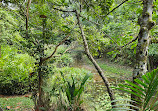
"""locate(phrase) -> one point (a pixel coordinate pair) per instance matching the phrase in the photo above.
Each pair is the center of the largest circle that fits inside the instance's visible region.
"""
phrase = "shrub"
(68, 86)
(14, 71)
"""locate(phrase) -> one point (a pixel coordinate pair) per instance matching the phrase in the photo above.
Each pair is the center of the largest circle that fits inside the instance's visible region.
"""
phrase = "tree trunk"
(0, 51)
(41, 71)
(146, 23)
(105, 80)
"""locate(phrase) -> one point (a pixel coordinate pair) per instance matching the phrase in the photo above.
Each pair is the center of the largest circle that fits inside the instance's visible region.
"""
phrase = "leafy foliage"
(68, 87)
(14, 71)
(8, 25)
(146, 89)
(73, 93)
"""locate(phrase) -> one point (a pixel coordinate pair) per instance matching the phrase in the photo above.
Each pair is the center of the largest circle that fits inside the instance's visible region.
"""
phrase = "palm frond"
(146, 89)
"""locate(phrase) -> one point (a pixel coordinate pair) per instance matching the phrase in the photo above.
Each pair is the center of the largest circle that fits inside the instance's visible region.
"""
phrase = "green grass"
(115, 69)
(112, 69)
(16, 104)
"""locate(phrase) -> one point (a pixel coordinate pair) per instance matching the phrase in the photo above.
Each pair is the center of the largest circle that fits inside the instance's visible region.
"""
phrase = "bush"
(66, 82)
(14, 71)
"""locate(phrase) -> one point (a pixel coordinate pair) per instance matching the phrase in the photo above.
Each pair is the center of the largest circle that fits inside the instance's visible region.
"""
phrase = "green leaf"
(133, 89)
(129, 92)
(145, 79)
(141, 83)
(134, 85)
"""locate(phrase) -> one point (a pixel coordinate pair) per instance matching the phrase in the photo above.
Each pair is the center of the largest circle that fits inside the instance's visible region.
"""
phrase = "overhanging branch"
(115, 8)
(105, 80)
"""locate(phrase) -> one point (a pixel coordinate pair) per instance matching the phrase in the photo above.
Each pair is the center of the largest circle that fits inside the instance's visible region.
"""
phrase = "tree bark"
(146, 23)
(41, 72)
(105, 80)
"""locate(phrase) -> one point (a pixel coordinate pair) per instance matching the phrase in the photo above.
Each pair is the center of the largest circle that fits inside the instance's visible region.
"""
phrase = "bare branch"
(27, 14)
(115, 8)
(63, 10)
(110, 38)
(44, 59)
(72, 47)
(129, 42)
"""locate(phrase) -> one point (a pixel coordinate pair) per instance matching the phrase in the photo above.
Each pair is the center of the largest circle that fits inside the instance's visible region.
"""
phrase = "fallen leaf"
(17, 107)
(19, 103)
(9, 107)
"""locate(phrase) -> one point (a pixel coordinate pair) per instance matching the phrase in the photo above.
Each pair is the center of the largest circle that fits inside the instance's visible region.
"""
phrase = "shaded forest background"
(42, 43)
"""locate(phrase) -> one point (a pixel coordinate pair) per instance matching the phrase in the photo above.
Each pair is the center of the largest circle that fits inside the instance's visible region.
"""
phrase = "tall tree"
(146, 24)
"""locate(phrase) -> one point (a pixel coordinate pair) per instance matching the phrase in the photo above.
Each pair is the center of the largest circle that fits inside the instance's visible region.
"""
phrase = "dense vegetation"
(44, 43)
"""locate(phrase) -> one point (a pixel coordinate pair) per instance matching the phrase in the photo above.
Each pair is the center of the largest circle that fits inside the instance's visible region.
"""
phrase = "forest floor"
(114, 72)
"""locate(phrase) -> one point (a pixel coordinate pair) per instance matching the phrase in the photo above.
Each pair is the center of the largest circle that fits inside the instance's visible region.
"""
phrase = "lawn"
(22, 103)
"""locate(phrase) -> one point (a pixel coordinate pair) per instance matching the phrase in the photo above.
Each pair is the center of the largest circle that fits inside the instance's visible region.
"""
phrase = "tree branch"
(105, 80)
(111, 38)
(44, 59)
(129, 42)
(72, 47)
(115, 8)
(27, 14)
(63, 10)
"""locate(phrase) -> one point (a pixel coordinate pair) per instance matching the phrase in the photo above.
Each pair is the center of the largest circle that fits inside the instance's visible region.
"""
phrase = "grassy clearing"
(16, 104)
(111, 69)
(115, 70)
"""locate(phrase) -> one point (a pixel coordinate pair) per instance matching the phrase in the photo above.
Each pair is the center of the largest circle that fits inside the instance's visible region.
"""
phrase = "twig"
(129, 42)
(63, 10)
(44, 59)
(115, 8)
(68, 49)
(111, 38)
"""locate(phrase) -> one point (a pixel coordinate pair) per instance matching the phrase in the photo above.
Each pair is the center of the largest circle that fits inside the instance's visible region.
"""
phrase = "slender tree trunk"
(41, 71)
(27, 17)
(0, 51)
(105, 80)
(146, 23)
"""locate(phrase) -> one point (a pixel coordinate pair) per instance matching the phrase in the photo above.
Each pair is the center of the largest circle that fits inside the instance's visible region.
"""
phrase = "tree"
(146, 24)
(78, 15)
